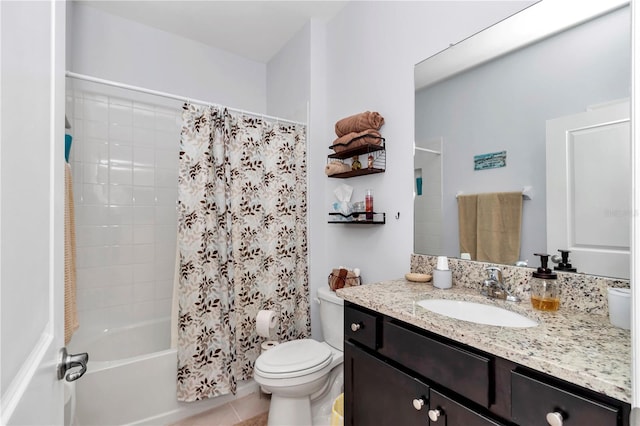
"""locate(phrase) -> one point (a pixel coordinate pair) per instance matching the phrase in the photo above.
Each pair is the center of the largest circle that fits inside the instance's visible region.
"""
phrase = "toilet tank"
(331, 317)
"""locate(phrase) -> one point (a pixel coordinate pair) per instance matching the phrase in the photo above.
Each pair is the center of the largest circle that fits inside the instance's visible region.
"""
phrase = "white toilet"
(305, 376)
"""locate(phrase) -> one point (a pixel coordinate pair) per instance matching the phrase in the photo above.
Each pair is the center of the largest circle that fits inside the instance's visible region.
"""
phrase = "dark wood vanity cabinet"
(447, 411)
(392, 396)
(398, 374)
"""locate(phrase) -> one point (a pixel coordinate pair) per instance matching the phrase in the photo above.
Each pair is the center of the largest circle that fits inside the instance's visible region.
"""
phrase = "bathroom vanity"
(406, 365)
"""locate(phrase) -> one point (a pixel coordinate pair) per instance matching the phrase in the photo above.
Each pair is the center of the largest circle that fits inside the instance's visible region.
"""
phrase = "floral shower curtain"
(242, 242)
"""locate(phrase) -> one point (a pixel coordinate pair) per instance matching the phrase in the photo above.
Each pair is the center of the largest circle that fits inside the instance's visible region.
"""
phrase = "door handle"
(69, 361)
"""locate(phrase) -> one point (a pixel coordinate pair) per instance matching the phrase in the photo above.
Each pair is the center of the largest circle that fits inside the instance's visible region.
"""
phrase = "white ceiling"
(256, 30)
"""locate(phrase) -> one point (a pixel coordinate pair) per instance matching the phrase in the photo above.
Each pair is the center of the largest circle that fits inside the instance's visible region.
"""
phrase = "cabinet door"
(448, 412)
(376, 393)
(532, 400)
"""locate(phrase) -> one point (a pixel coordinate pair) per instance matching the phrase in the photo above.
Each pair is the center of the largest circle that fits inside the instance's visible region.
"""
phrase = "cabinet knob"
(355, 326)
(434, 414)
(418, 403)
(554, 419)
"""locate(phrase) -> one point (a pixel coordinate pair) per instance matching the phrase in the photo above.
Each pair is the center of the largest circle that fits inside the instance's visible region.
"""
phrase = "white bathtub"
(131, 378)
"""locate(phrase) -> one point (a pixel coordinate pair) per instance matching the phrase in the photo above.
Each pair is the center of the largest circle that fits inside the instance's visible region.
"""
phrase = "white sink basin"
(477, 312)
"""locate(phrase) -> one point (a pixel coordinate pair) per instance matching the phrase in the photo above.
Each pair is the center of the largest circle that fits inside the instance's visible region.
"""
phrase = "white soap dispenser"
(442, 274)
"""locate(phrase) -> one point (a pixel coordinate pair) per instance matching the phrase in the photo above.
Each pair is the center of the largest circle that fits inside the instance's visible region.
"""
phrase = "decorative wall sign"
(492, 160)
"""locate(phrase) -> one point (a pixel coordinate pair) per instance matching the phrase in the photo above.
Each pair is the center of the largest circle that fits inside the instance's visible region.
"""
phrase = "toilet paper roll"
(265, 322)
(269, 344)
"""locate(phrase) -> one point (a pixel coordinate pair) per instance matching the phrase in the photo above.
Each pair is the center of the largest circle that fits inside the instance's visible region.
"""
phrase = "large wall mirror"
(547, 92)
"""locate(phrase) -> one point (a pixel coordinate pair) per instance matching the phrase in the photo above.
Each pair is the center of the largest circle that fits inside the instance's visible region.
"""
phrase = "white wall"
(288, 78)
(113, 48)
(372, 48)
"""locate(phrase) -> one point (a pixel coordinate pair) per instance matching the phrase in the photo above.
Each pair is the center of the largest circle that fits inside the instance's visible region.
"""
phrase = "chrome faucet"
(494, 287)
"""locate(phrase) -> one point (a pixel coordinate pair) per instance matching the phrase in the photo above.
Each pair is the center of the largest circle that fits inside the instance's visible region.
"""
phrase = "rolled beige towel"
(359, 122)
(336, 167)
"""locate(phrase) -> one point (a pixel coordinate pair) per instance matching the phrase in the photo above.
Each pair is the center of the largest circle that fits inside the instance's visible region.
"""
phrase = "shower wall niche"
(124, 161)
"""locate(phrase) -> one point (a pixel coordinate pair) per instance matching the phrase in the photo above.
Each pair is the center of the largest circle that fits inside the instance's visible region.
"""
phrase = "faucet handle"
(494, 272)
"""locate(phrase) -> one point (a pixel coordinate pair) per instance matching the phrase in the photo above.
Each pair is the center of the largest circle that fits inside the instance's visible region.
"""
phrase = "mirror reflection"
(550, 119)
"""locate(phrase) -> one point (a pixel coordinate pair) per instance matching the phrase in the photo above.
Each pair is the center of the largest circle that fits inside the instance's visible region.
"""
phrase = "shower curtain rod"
(172, 96)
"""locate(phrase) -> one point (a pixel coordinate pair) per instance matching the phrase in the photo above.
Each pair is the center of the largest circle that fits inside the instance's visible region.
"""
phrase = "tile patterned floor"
(230, 413)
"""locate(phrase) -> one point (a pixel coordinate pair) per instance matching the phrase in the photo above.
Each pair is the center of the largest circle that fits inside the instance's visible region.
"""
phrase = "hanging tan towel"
(70, 307)
(359, 122)
(499, 224)
(467, 224)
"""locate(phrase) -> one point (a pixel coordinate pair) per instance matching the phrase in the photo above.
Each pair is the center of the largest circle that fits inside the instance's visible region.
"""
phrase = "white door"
(31, 210)
(589, 189)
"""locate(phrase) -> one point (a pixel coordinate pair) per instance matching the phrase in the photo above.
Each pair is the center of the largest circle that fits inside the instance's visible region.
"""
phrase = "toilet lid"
(294, 358)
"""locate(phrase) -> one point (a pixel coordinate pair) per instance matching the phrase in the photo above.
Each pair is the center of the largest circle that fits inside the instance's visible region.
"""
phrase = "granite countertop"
(584, 349)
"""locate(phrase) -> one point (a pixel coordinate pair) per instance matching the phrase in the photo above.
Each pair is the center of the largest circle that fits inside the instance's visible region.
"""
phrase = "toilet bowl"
(303, 375)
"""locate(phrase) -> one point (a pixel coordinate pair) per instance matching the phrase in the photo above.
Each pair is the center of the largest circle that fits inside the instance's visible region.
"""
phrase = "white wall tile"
(93, 277)
(166, 215)
(167, 159)
(95, 193)
(95, 173)
(96, 129)
(120, 215)
(93, 257)
(144, 156)
(143, 253)
(120, 274)
(123, 134)
(125, 160)
(167, 140)
(165, 122)
(144, 196)
(120, 155)
(94, 151)
(144, 272)
(144, 234)
(117, 295)
(143, 291)
(121, 255)
(143, 176)
(162, 307)
(92, 235)
(96, 215)
(164, 289)
(121, 101)
(96, 111)
(167, 178)
(121, 175)
(167, 196)
(121, 234)
(166, 234)
(120, 114)
(143, 137)
(144, 118)
(144, 215)
(120, 195)
(165, 253)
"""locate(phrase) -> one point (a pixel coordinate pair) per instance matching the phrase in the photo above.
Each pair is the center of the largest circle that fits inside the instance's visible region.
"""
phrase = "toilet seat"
(293, 359)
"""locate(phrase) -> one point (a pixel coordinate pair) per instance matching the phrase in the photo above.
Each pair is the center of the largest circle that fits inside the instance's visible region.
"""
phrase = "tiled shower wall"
(124, 161)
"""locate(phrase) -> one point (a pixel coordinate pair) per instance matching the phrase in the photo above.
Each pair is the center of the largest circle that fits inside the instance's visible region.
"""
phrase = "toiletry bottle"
(355, 163)
(368, 204)
(442, 273)
(545, 291)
